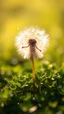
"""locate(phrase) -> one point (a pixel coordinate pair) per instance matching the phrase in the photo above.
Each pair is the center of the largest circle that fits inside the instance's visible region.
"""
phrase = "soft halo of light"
(42, 42)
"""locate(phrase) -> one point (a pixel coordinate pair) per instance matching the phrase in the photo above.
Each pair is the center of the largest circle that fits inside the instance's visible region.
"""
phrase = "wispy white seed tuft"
(32, 41)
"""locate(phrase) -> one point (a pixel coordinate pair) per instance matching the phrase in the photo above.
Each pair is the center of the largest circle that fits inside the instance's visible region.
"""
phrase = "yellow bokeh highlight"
(15, 15)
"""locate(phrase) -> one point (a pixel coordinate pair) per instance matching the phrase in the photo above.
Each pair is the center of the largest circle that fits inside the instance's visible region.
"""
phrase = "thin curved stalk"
(33, 69)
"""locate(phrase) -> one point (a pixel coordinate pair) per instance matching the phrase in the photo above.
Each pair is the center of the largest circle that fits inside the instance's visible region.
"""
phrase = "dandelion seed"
(32, 42)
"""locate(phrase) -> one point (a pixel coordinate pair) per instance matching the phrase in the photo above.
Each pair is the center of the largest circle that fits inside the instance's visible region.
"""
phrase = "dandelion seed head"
(32, 41)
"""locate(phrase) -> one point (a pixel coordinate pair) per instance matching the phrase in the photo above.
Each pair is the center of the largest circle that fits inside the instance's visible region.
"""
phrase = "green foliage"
(19, 95)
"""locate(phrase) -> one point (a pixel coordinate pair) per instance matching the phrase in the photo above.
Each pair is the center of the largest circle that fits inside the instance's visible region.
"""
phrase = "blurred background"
(16, 15)
(15, 81)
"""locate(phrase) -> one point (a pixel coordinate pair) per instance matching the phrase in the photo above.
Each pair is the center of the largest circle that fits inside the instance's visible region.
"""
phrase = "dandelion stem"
(33, 71)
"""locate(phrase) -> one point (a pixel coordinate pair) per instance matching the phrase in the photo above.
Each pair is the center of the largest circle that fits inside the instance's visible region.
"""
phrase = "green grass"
(19, 95)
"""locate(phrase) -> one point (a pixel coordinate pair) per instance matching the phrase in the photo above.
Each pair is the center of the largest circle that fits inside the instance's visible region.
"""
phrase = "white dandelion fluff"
(32, 42)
